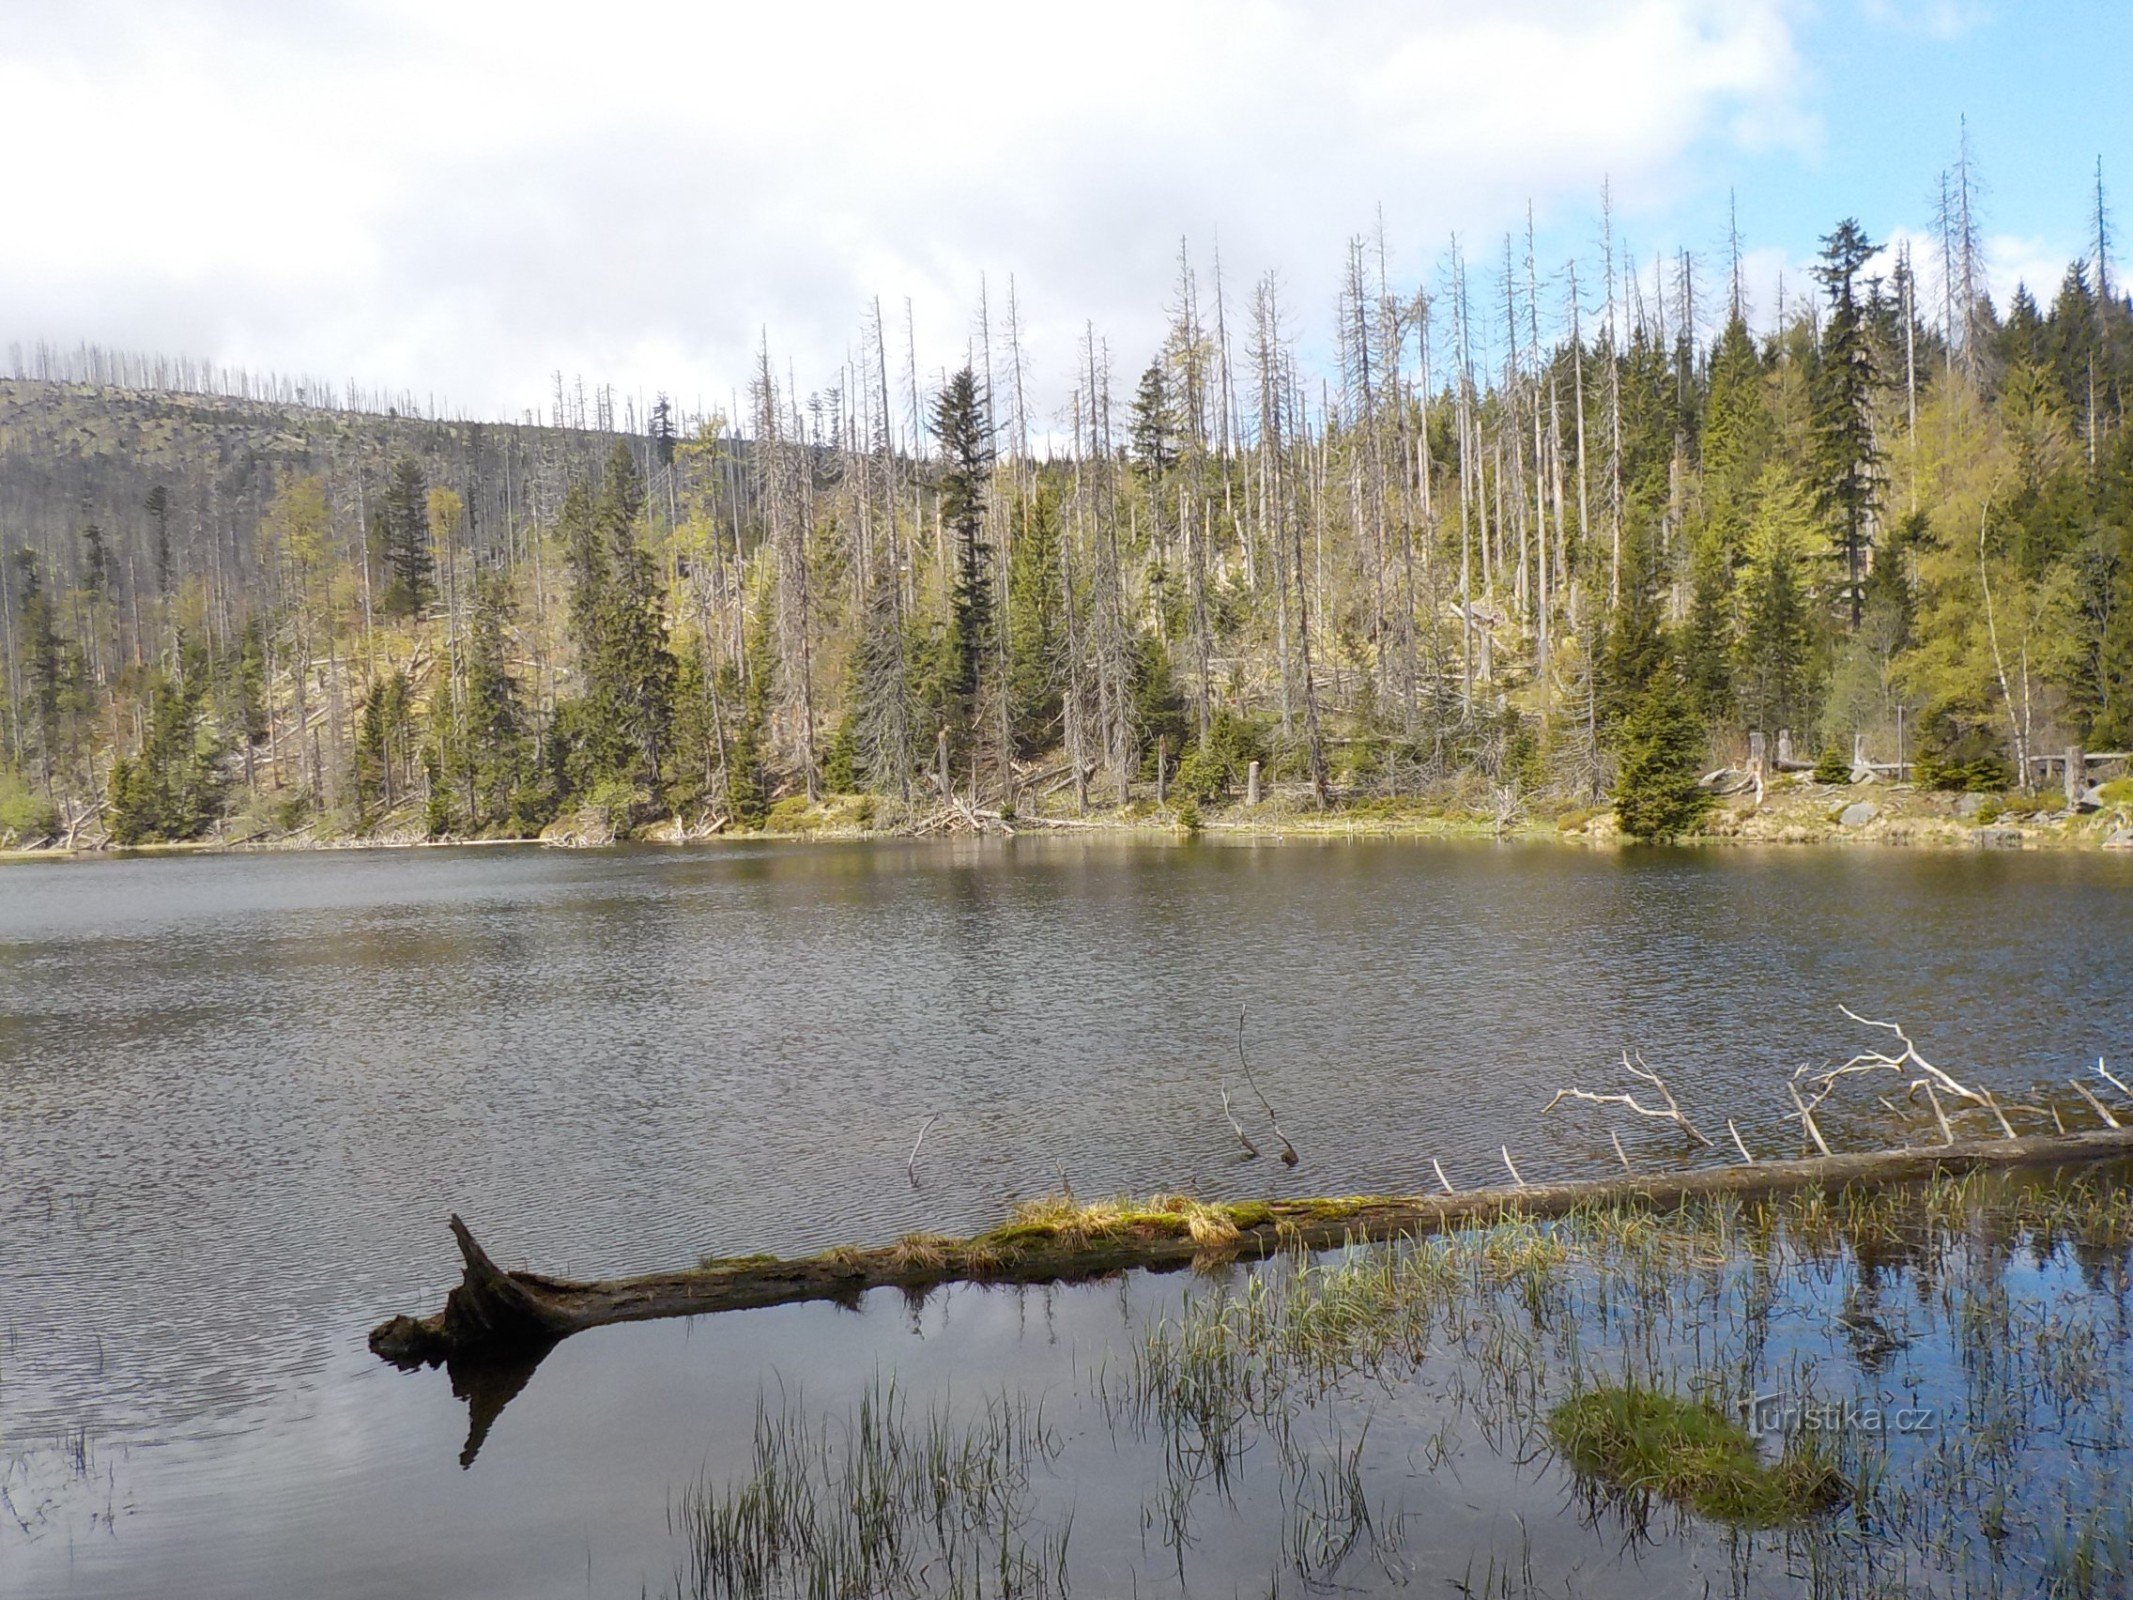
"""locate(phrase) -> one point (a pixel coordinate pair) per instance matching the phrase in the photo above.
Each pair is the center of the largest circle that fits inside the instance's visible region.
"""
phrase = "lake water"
(239, 1095)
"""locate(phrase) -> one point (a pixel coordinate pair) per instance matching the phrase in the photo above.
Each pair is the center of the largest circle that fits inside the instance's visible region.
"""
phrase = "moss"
(1342, 1207)
(1250, 1213)
(717, 1263)
(1638, 1441)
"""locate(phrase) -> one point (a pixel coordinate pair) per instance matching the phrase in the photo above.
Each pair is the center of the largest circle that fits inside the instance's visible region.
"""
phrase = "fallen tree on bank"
(501, 1315)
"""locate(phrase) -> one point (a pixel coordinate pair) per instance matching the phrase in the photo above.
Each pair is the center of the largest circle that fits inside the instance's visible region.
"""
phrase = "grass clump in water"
(1063, 1220)
(1639, 1441)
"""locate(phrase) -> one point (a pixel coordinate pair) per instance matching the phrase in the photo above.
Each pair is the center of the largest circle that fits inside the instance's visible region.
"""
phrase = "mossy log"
(493, 1313)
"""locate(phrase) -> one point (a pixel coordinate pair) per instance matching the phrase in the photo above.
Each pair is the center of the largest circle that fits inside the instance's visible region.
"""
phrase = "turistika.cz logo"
(1777, 1413)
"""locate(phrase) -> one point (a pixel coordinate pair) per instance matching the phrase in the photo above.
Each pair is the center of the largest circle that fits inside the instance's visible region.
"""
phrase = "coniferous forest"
(1527, 534)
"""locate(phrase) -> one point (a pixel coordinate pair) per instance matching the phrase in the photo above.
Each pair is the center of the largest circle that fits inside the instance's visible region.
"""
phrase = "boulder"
(1860, 814)
(2119, 839)
(1969, 805)
(1997, 838)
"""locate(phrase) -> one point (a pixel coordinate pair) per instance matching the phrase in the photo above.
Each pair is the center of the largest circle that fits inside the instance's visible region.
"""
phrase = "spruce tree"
(1155, 423)
(747, 777)
(1843, 389)
(1773, 679)
(400, 541)
(1034, 634)
(170, 790)
(478, 758)
(380, 763)
(966, 463)
(1662, 754)
(619, 621)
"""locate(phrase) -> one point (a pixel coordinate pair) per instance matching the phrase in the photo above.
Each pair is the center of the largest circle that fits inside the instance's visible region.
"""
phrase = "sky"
(462, 199)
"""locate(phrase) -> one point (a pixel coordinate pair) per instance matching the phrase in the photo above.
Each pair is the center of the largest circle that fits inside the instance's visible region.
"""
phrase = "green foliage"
(959, 426)
(25, 815)
(169, 790)
(1220, 762)
(1662, 754)
(747, 780)
(619, 619)
(1640, 1442)
(400, 542)
(479, 759)
(1159, 715)
(1188, 815)
(1833, 766)
(1155, 423)
(384, 745)
(840, 767)
(1846, 454)
(1966, 765)
(616, 802)
(1036, 639)
(1773, 680)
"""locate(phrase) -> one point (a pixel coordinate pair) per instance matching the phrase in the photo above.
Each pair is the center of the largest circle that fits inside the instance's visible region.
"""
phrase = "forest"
(1523, 535)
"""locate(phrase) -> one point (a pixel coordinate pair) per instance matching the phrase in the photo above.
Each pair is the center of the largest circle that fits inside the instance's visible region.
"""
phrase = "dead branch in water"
(1251, 1151)
(2095, 1104)
(1289, 1157)
(1877, 1061)
(493, 1314)
(2102, 1073)
(911, 1166)
(1670, 1112)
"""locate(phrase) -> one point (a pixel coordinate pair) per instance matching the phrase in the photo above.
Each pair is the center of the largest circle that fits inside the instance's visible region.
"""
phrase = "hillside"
(1596, 570)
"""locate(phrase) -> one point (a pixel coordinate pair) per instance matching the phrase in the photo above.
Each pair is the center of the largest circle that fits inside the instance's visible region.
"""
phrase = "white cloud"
(462, 198)
(1938, 19)
(2013, 259)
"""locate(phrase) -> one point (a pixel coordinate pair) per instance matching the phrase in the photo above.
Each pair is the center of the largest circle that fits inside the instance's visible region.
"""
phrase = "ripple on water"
(238, 1096)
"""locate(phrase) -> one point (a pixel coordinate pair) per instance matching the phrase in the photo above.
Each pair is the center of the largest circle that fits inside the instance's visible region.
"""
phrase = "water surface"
(238, 1096)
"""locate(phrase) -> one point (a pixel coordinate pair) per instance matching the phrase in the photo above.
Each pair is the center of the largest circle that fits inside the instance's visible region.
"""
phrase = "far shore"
(1793, 813)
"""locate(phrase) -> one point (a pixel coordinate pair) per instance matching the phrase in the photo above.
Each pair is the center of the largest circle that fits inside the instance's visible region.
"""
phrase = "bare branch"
(1515, 1178)
(1742, 1148)
(1807, 1119)
(2095, 1104)
(1947, 1134)
(1875, 1059)
(1288, 1150)
(1441, 1178)
(911, 1166)
(1670, 1112)
(2109, 1079)
(1250, 1150)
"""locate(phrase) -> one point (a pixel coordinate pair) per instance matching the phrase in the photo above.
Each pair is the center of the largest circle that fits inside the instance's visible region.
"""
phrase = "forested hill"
(178, 484)
(1587, 539)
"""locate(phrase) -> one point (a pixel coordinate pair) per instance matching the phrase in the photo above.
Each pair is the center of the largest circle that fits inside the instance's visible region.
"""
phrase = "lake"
(239, 1096)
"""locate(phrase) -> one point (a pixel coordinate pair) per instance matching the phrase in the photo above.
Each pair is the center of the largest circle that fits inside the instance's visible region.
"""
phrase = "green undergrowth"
(1637, 1441)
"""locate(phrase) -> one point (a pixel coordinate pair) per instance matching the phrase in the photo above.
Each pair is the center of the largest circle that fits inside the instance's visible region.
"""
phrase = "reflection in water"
(238, 1097)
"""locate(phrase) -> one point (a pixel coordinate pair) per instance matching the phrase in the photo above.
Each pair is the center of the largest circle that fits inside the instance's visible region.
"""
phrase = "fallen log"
(494, 1314)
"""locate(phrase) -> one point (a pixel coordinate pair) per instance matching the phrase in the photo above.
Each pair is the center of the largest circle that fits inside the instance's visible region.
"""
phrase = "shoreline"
(1795, 814)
